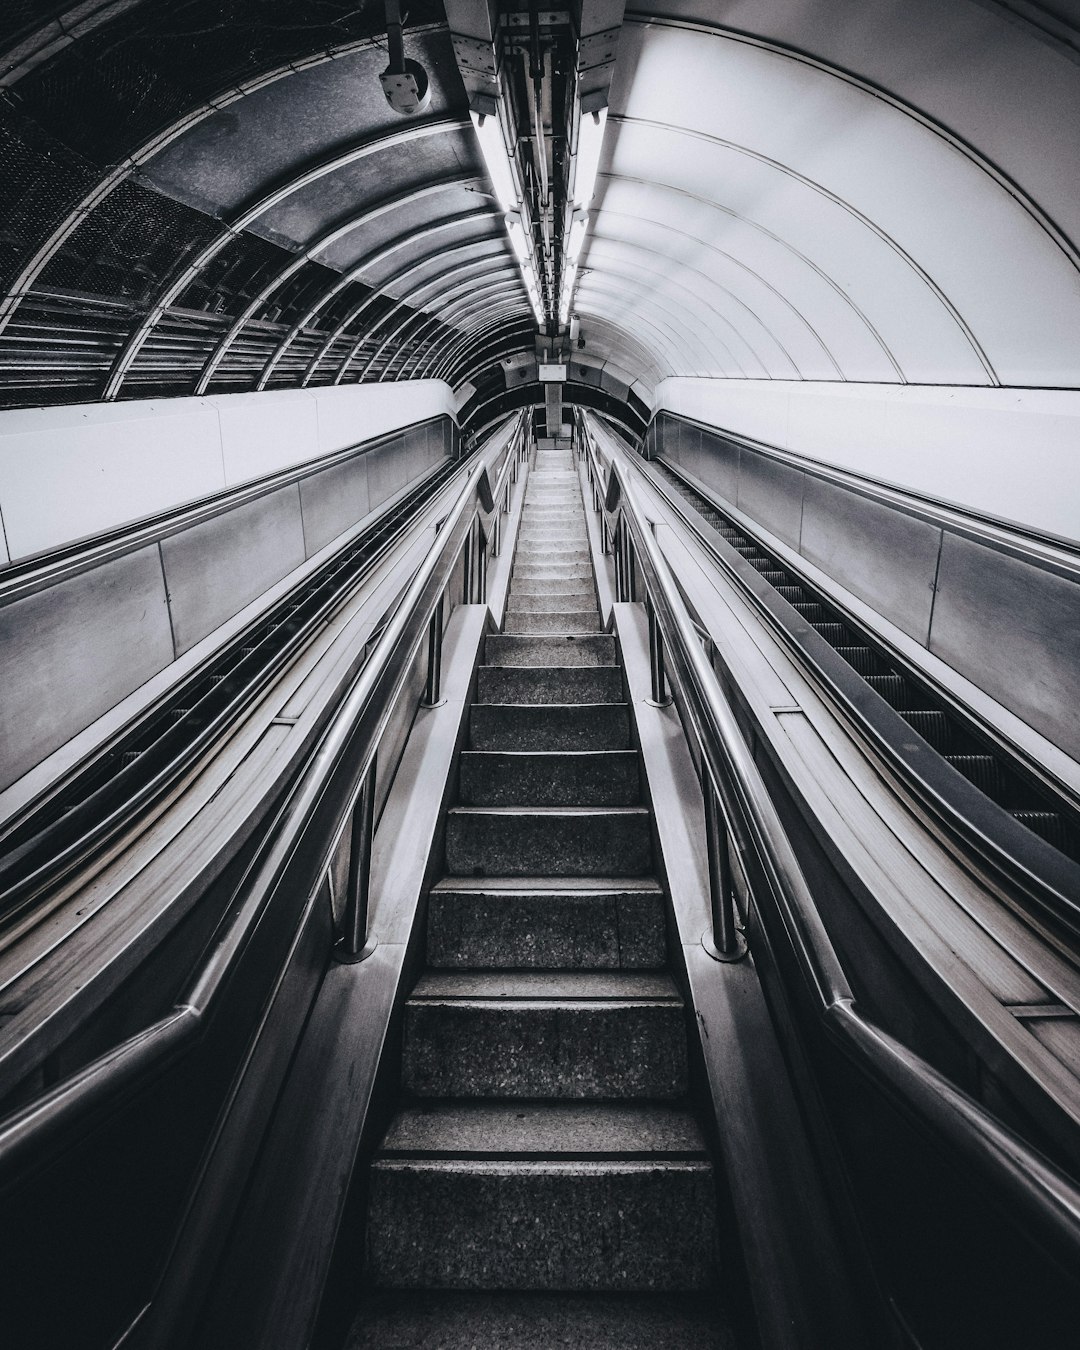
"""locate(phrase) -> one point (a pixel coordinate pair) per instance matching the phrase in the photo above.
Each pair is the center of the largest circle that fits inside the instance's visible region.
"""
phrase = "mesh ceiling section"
(235, 276)
(67, 122)
(41, 179)
(21, 18)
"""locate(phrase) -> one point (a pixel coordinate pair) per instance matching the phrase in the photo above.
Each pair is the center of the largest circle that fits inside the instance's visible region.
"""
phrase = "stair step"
(539, 529)
(551, 587)
(982, 770)
(549, 925)
(548, 841)
(547, 650)
(596, 1224)
(529, 602)
(552, 1130)
(545, 551)
(463, 1320)
(1050, 825)
(551, 571)
(549, 684)
(561, 1034)
(931, 725)
(568, 511)
(556, 621)
(549, 778)
(549, 726)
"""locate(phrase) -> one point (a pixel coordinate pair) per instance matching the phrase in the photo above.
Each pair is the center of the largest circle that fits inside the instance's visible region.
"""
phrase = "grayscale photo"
(539, 675)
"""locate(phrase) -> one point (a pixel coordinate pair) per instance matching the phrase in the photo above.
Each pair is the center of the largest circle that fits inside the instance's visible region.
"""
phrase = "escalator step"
(836, 634)
(1048, 824)
(776, 578)
(862, 659)
(932, 726)
(810, 610)
(894, 689)
(795, 595)
(759, 561)
(982, 770)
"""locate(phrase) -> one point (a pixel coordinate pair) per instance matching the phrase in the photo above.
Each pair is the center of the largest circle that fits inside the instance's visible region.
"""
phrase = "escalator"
(913, 706)
(64, 827)
(522, 1025)
(545, 1179)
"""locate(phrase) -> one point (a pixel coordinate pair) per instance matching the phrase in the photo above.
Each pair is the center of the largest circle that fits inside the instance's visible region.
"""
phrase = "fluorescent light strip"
(578, 227)
(499, 166)
(569, 277)
(590, 142)
(496, 158)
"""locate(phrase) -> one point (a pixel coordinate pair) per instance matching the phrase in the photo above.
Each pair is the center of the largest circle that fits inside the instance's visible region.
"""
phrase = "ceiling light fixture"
(590, 143)
(496, 158)
(578, 226)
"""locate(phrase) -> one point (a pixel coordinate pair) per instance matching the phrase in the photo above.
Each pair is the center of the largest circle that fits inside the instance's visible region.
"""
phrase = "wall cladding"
(1010, 625)
(72, 651)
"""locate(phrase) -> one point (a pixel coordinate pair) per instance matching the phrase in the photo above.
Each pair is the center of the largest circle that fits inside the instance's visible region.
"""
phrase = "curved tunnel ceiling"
(207, 198)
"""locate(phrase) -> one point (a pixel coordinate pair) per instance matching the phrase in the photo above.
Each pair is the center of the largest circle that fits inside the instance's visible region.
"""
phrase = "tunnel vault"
(201, 198)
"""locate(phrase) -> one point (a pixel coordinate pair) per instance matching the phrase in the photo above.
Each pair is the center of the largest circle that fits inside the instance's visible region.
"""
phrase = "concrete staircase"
(544, 1142)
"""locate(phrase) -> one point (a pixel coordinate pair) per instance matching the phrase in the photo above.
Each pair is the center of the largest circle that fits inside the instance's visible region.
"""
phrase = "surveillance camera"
(407, 91)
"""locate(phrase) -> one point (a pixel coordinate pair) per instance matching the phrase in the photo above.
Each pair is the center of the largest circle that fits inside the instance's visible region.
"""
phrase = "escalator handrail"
(1046, 1197)
(295, 853)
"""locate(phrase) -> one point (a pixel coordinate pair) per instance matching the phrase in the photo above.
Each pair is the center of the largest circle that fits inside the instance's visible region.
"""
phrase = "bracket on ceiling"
(404, 81)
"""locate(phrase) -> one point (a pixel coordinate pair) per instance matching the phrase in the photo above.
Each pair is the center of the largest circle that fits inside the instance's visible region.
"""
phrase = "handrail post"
(728, 943)
(469, 582)
(433, 684)
(629, 590)
(354, 945)
(661, 696)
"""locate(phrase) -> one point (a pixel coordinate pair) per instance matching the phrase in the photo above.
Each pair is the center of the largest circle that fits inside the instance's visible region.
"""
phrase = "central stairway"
(545, 1182)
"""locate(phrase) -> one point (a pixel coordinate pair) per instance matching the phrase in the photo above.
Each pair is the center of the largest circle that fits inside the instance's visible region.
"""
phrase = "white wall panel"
(1018, 100)
(70, 472)
(260, 435)
(1010, 453)
(67, 473)
(879, 238)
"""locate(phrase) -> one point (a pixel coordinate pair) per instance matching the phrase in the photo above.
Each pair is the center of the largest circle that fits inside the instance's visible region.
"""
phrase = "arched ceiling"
(213, 195)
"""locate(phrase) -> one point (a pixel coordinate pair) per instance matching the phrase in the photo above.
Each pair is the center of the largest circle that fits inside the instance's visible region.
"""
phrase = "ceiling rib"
(246, 218)
(356, 274)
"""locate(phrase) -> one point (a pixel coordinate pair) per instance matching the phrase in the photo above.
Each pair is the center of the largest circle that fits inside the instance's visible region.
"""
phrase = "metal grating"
(232, 279)
(129, 245)
(41, 181)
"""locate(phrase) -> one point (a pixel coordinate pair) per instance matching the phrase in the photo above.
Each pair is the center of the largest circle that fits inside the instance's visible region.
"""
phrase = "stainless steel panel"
(613, 386)
(772, 493)
(215, 568)
(415, 448)
(387, 471)
(666, 438)
(887, 558)
(1014, 630)
(716, 462)
(333, 501)
(70, 653)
